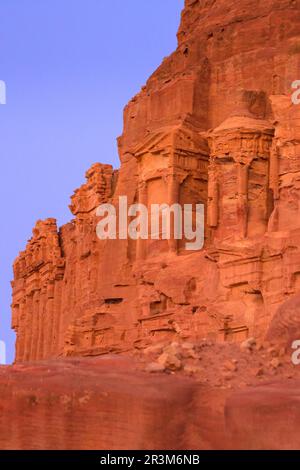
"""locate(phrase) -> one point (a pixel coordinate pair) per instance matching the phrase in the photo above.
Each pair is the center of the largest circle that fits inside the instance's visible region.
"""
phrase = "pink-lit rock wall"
(214, 124)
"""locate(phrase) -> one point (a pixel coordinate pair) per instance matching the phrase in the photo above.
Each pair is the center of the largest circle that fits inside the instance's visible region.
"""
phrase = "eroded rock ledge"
(112, 403)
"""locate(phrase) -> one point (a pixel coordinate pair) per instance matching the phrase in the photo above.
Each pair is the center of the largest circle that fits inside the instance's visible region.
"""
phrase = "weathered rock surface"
(266, 417)
(111, 403)
(99, 404)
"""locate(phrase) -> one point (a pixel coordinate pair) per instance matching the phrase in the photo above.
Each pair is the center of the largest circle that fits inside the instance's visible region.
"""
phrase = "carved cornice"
(172, 139)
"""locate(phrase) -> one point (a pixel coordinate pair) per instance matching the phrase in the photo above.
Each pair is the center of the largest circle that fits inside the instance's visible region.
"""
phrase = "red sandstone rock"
(110, 403)
(285, 326)
(264, 418)
(92, 404)
(214, 124)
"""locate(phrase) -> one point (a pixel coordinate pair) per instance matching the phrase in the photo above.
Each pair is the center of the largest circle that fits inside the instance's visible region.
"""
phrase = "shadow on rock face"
(285, 326)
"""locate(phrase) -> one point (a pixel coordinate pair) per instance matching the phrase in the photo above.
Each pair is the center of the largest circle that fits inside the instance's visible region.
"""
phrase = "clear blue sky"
(70, 66)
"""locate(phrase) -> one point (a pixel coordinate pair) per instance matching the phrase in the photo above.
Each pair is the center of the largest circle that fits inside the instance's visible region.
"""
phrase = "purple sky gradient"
(70, 66)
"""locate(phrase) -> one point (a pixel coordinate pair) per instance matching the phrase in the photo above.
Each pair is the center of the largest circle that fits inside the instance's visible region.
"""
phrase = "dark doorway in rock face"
(113, 301)
(159, 306)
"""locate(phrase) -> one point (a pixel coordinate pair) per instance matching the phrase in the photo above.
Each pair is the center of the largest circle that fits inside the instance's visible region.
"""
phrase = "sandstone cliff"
(214, 124)
(207, 334)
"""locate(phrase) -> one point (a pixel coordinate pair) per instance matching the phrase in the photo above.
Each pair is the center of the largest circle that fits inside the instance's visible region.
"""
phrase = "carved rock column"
(213, 195)
(141, 249)
(173, 198)
(239, 173)
(243, 208)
